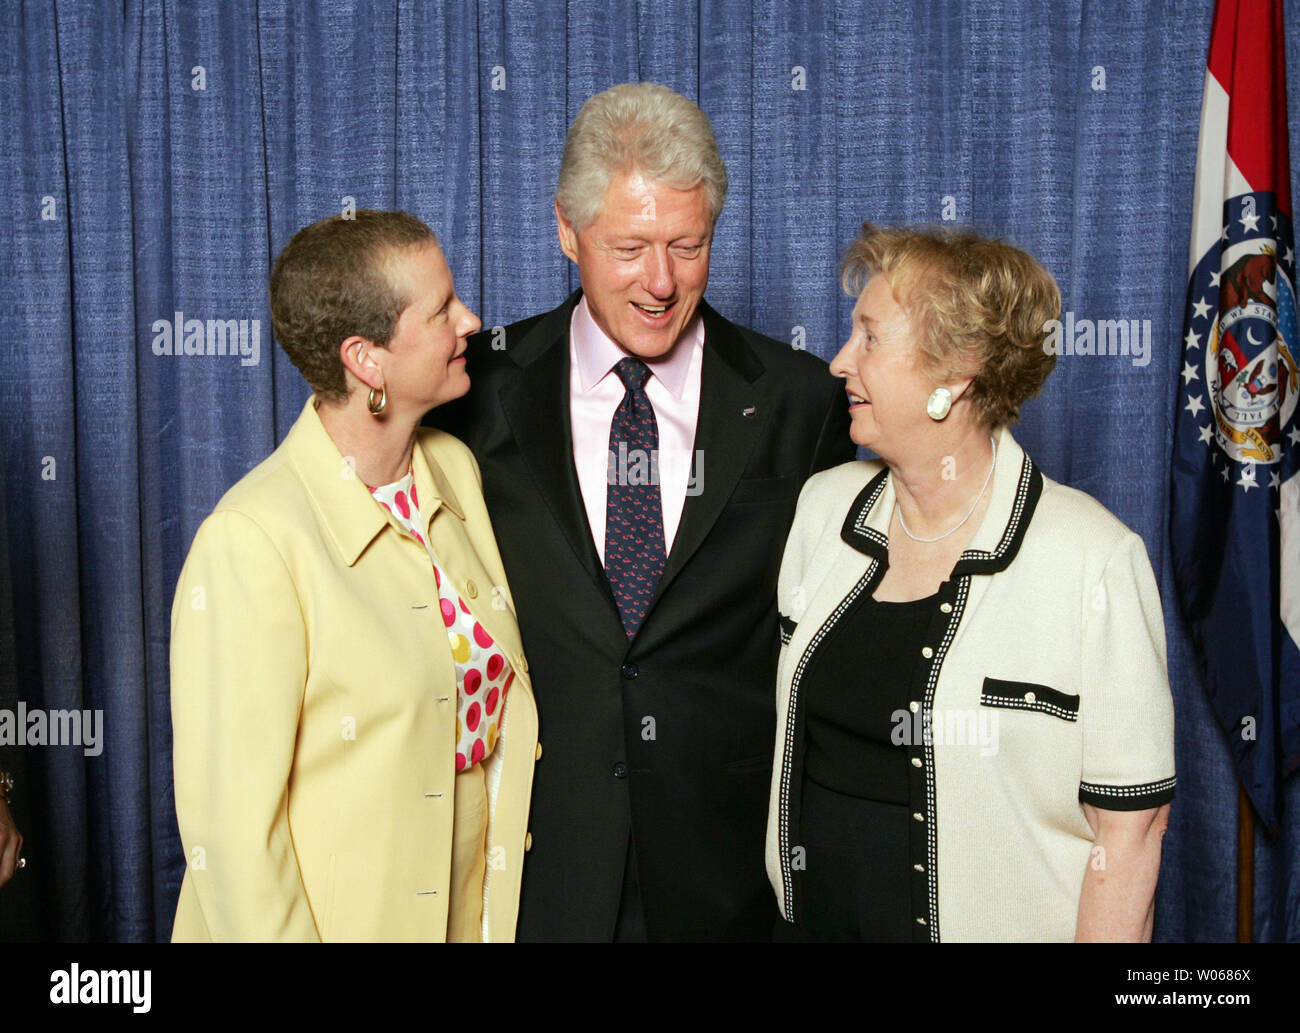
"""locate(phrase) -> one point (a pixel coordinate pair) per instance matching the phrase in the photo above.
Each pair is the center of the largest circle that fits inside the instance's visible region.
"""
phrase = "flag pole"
(1245, 867)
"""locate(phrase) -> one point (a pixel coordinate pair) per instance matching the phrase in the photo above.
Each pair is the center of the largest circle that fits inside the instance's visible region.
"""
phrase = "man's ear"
(567, 234)
(358, 357)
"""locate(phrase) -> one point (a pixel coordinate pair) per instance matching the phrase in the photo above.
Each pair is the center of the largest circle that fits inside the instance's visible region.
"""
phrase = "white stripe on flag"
(1217, 175)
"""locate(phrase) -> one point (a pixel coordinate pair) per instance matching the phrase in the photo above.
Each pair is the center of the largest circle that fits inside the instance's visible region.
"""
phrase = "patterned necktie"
(634, 514)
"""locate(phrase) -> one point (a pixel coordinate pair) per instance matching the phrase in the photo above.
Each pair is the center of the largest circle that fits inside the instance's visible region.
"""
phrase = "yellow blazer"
(314, 704)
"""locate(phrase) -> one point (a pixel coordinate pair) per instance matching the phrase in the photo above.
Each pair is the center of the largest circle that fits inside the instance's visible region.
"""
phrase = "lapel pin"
(749, 410)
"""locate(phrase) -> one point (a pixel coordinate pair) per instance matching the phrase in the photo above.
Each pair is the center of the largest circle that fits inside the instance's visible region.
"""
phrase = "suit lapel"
(537, 409)
(730, 387)
(536, 406)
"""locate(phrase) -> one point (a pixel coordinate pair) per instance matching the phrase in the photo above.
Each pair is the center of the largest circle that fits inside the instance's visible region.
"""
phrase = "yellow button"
(471, 589)
(945, 607)
(521, 664)
(914, 706)
(537, 754)
(528, 842)
(927, 652)
(1030, 697)
(916, 762)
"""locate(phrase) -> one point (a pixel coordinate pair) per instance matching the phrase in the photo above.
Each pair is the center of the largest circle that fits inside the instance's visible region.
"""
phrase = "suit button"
(916, 762)
(528, 842)
(471, 589)
(521, 664)
(537, 754)
(629, 671)
(620, 770)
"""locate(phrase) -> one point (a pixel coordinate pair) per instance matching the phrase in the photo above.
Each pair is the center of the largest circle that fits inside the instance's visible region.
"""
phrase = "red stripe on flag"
(1247, 58)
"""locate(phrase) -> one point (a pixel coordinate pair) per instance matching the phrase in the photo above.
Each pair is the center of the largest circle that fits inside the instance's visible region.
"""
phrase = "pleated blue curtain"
(159, 154)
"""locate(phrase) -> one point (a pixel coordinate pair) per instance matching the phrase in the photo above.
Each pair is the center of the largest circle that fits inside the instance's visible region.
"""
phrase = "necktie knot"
(633, 372)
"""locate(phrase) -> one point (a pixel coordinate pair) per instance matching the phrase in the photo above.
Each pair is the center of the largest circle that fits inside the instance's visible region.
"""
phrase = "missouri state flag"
(1235, 493)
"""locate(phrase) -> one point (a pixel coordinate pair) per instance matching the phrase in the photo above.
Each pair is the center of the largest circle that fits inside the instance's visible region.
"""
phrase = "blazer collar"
(1017, 485)
(349, 513)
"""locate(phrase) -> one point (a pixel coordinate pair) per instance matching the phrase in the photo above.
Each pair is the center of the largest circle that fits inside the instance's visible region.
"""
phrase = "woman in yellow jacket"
(354, 728)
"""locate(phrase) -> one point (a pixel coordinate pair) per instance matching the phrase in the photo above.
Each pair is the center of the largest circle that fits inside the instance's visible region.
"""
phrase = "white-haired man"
(641, 458)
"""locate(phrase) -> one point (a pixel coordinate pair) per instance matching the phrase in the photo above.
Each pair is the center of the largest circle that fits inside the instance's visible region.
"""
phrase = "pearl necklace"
(963, 520)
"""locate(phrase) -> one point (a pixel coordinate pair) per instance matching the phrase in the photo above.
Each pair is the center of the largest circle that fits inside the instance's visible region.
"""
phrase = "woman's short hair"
(979, 306)
(637, 127)
(334, 280)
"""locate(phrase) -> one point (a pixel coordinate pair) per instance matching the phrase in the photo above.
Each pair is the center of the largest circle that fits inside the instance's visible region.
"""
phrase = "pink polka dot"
(481, 636)
(403, 506)
(437, 578)
(472, 716)
(448, 613)
(420, 538)
(476, 754)
(463, 606)
(473, 679)
(460, 762)
(491, 705)
(495, 662)
(415, 499)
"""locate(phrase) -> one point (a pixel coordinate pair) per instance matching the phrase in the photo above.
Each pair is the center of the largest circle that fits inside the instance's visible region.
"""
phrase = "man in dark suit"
(641, 460)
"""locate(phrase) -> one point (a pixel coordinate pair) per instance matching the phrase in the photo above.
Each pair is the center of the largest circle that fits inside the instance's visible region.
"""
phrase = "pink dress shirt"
(595, 391)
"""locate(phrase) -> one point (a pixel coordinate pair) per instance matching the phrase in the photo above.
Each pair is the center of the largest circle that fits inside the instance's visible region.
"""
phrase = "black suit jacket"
(668, 737)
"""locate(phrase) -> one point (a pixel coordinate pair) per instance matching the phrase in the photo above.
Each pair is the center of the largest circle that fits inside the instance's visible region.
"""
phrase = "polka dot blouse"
(483, 674)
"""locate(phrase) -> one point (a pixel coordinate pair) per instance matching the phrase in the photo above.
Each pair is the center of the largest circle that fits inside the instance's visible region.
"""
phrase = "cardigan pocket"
(1024, 695)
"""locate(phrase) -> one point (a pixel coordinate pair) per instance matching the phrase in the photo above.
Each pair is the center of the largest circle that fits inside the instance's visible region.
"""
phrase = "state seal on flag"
(1242, 309)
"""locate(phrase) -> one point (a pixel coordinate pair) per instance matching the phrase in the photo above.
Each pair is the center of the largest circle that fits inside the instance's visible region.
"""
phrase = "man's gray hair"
(637, 127)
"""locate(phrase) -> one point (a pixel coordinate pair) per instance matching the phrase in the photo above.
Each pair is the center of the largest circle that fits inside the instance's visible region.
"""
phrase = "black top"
(856, 687)
(854, 821)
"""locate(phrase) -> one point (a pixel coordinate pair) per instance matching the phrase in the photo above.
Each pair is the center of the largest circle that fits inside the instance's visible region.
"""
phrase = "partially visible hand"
(11, 844)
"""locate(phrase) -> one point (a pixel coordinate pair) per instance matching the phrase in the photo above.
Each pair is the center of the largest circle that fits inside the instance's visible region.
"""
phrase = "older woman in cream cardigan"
(975, 730)
(354, 728)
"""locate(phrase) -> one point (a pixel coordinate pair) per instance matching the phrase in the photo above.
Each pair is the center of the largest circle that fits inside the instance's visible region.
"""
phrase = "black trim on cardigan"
(855, 531)
(871, 542)
(1128, 798)
(787, 628)
(1028, 490)
(1023, 695)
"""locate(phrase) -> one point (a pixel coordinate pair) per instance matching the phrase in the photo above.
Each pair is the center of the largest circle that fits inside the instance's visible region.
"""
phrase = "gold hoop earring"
(377, 407)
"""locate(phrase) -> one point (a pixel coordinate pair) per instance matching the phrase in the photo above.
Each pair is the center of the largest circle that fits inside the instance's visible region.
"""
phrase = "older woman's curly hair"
(979, 307)
(334, 280)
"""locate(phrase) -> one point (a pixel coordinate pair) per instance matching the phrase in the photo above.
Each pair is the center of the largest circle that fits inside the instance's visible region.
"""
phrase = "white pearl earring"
(939, 403)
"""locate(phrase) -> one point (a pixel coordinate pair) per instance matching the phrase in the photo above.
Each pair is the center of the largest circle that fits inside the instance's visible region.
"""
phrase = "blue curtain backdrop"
(158, 154)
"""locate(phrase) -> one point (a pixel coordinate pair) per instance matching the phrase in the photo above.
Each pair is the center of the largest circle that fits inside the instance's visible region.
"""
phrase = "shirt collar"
(345, 504)
(595, 353)
(1017, 485)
